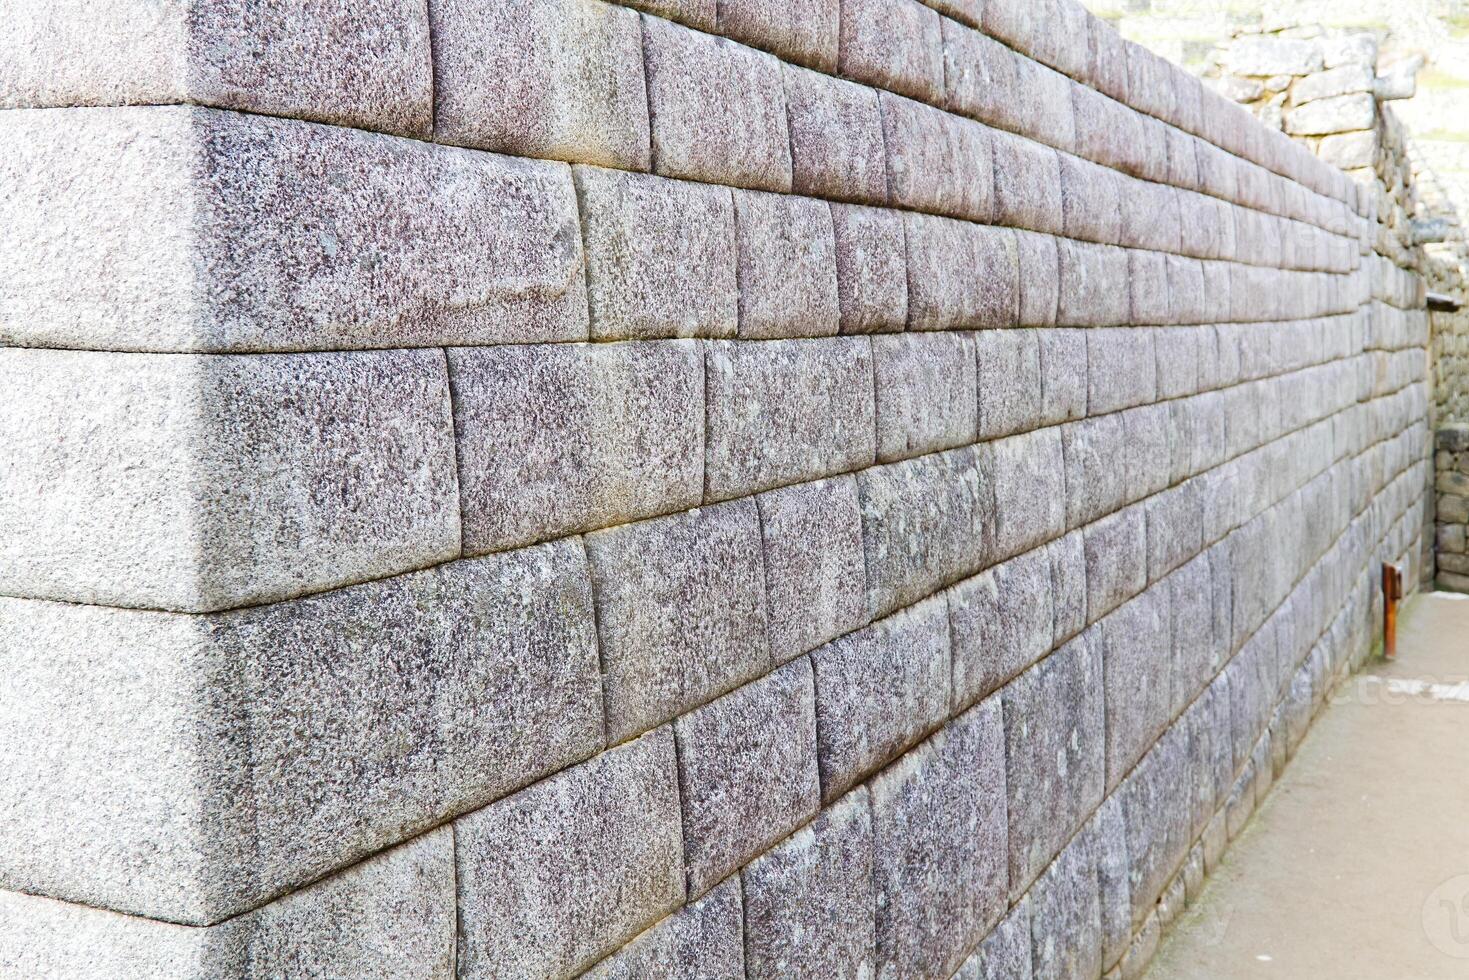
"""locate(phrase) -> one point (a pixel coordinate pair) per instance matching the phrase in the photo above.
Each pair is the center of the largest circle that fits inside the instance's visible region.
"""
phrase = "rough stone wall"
(1451, 484)
(544, 488)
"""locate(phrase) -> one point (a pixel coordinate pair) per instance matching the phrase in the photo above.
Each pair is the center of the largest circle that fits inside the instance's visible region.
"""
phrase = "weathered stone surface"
(550, 78)
(1341, 114)
(1027, 184)
(186, 229)
(1005, 952)
(1109, 830)
(1135, 648)
(1122, 369)
(1030, 490)
(1152, 216)
(557, 876)
(895, 45)
(288, 696)
(367, 66)
(201, 483)
(1265, 55)
(1349, 151)
(815, 572)
(878, 691)
(1178, 355)
(926, 522)
(680, 612)
(1175, 528)
(1010, 381)
(925, 391)
(661, 256)
(339, 927)
(785, 411)
(787, 266)
(747, 772)
(701, 939)
(1065, 915)
(992, 83)
(1095, 485)
(809, 902)
(564, 438)
(938, 820)
(1001, 623)
(872, 269)
(1197, 655)
(803, 31)
(1342, 80)
(836, 138)
(1055, 765)
(1064, 381)
(1039, 288)
(937, 162)
(1116, 560)
(1090, 200)
(1068, 584)
(1147, 276)
(1093, 285)
(718, 109)
(1156, 813)
(701, 15)
(960, 275)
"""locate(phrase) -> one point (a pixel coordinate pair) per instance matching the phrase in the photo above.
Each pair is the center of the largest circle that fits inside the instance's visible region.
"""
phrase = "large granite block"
(1116, 560)
(1175, 528)
(836, 138)
(815, 572)
(557, 876)
(1005, 953)
(558, 439)
(937, 162)
(1137, 653)
(1000, 87)
(661, 256)
(1147, 276)
(1093, 285)
(895, 45)
(1090, 200)
(1178, 354)
(1108, 829)
(702, 15)
(1197, 657)
(331, 727)
(803, 31)
(1097, 482)
(1001, 622)
(718, 109)
(784, 411)
(1068, 584)
(926, 523)
(938, 820)
(872, 269)
(366, 66)
(1064, 380)
(1066, 915)
(787, 266)
(1030, 490)
(878, 691)
(186, 229)
(1039, 286)
(960, 275)
(1011, 384)
(702, 939)
(391, 916)
(925, 391)
(201, 483)
(747, 772)
(1027, 178)
(680, 612)
(1122, 369)
(809, 901)
(1151, 216)
(1155, 810)
(1055, 763)
(546, 78)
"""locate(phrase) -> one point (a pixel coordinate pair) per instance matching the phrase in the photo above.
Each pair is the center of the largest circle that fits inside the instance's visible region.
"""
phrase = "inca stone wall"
(538, 488)
(1451, 484)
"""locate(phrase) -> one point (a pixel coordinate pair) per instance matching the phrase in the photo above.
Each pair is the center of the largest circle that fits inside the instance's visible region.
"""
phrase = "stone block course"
(872, 269)
(1001, 621)
(805, 31)
(961, 275)
(893, 45)
(701, 939)
(925, 392)
(936, 161)
(837, 148)
(787, 266)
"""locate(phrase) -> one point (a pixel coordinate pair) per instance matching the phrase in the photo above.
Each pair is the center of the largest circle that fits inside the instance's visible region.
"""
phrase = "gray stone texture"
(960, 275)
(988, 81)
(803, 31)
(809, 901)
(1030, 490)
(1089, 293)
(896, 45)
(937, 162)
(555, 440)
(702, 939)
(926, 523)
(389, 917)
(787, 266)
(1010, 382)
(1339, 114)
(1068, 584)
(1001, 622)
(872, 269)
(925, 392)
(815, 571)
(1055, 765)
(878, 691)
(1156, 814)
(718, 109)
(200, 483)
(1108, 828)
(366, 66)
(186, 229)
(1039, 288)
(938, 819)
(559, 79)
(702, 15)
(1116, 560)
(1135, 651)
(1005, 952)
(1066, 915)
(784, 411)
(557, 876)
(1064, 375)
(747, 772)
(661, 256)
(680, 612)
(1027, 184)
(836, 138)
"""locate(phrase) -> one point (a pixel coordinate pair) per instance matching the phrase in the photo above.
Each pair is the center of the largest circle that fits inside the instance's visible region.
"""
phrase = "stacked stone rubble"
(545, 488)
(1451, 485)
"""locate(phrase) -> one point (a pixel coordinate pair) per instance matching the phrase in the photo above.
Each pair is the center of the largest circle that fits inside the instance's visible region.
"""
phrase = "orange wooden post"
(1392, 591)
